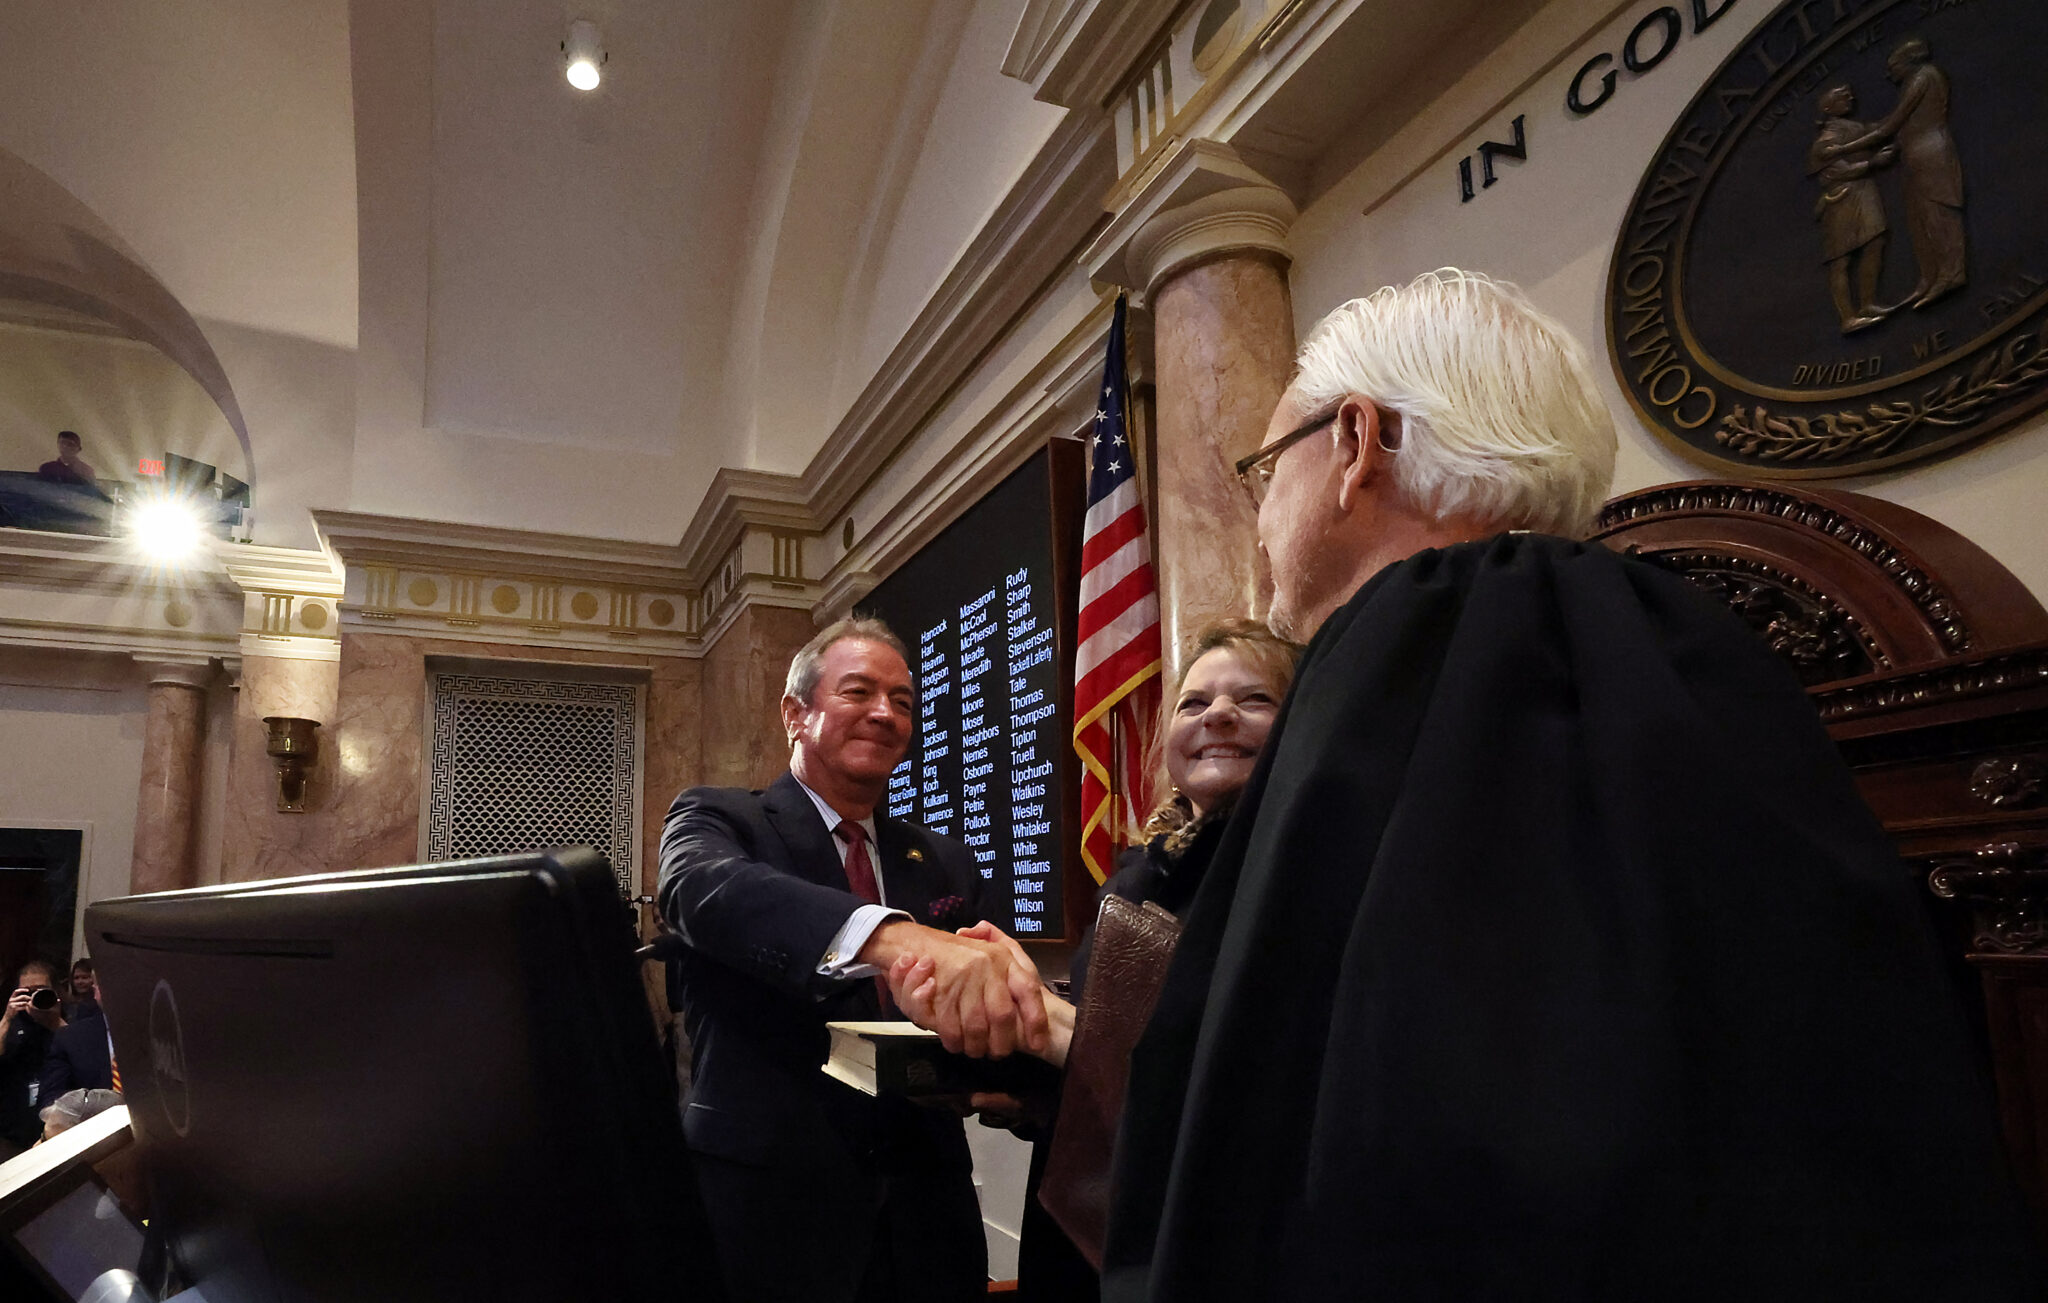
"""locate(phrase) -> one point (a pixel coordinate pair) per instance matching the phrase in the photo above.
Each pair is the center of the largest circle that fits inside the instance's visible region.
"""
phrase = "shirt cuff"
(838, 959)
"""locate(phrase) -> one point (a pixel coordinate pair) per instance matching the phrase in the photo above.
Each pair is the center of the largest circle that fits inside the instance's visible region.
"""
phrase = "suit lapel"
(813, 850)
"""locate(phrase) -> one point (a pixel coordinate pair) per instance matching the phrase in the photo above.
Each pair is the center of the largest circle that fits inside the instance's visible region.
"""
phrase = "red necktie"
(860, 870)
(860, 877)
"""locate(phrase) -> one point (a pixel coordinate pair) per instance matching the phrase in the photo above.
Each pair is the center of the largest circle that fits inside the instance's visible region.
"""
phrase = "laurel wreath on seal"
(1880, 427)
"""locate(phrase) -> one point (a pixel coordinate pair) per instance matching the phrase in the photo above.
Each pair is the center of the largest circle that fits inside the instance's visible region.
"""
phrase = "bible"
(1133, 946)
(901, 1058)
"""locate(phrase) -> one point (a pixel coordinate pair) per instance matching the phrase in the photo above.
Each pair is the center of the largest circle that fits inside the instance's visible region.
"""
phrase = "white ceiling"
(215, 135)
(586, 246)
(700, 264)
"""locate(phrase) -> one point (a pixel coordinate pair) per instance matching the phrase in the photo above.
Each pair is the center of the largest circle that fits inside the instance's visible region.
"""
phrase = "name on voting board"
(982, 767)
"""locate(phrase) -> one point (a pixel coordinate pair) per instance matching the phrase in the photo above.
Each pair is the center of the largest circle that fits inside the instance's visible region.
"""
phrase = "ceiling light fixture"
(583, 55)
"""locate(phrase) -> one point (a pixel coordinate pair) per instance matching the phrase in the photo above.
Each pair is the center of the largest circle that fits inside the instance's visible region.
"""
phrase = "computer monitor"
(62, 1226)
(438, 1082)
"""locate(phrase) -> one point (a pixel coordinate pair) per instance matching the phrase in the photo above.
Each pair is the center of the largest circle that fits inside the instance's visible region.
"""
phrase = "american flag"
(1116, 667)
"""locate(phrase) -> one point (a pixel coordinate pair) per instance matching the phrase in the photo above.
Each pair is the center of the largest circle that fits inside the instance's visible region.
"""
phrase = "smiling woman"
(1212, 729)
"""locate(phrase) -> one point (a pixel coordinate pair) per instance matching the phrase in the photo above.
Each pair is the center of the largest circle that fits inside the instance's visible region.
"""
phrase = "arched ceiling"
(404, 230)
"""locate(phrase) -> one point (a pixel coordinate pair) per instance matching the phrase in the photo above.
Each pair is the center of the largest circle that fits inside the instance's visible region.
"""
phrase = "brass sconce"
(293, 746)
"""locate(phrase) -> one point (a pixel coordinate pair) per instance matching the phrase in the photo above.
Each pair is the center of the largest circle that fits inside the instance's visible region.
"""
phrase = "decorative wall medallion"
(504, 599)
(1833, 263)
(177, 614)
(661, 613)
(583, 606)
(423, 592)
(313, 615)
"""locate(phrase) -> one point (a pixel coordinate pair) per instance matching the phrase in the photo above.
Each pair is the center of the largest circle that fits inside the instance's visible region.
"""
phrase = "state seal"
(1838, 258)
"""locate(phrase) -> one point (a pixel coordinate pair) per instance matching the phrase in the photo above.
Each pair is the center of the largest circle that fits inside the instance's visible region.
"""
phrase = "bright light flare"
(583, 55)
(167, 530)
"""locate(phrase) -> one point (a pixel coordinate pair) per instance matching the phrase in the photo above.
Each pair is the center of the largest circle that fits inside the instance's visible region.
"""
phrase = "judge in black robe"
(1550, 954)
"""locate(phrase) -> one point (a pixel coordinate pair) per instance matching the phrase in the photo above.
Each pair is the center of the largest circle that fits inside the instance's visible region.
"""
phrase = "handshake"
(976, 988)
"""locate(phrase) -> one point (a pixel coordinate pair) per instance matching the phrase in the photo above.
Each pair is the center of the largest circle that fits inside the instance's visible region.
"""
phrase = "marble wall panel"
(1223, 346)
(675, 751)
(256, 840)
(364, 797)
(743, 674)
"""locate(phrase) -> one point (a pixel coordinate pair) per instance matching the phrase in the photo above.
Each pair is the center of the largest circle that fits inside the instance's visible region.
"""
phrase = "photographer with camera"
(34, 1014)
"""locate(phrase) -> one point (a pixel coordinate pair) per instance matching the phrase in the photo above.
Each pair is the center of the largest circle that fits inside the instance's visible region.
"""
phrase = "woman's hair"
(1267, 652)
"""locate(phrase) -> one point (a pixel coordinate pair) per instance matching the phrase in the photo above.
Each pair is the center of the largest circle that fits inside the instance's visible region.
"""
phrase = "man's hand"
(983, 998)
(910, 981)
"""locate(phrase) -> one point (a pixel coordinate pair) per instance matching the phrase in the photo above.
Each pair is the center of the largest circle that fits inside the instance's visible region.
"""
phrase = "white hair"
(1500, 416)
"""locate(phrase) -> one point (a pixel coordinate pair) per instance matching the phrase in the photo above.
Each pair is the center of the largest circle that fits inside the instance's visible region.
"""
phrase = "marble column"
(167, 811)
(1205, 241)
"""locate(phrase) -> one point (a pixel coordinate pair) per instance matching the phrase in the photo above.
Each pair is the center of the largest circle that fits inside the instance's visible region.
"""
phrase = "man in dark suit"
(791, 902)
(80, 1057)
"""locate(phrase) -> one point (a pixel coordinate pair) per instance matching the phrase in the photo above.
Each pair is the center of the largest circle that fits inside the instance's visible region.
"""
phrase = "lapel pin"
(914, 855)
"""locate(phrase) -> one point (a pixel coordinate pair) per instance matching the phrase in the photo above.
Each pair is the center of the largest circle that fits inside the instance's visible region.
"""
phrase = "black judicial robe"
(1551, 954)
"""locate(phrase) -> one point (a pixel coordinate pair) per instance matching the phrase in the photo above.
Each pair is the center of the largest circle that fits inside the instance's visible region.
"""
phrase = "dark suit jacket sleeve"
(59, 1074)
(738, 909)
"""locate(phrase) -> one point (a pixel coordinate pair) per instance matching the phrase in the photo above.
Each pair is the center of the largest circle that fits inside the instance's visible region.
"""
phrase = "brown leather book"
(1133, 945)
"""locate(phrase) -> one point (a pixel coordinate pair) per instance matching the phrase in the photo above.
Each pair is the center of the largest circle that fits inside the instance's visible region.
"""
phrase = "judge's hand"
(912, 982)
(982, 998)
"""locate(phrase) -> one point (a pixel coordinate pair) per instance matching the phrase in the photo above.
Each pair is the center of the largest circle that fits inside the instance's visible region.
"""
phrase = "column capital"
(176, 670)
(1202, 200)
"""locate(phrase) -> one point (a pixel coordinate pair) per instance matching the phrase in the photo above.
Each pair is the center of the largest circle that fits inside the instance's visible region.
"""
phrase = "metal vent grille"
(519, 764)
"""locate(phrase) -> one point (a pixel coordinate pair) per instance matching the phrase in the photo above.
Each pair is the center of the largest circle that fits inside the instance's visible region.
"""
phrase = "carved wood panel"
(1928, 662)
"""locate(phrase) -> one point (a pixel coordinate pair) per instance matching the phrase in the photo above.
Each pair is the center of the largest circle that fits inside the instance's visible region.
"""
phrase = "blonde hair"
(1500, 415)
(1273, 656)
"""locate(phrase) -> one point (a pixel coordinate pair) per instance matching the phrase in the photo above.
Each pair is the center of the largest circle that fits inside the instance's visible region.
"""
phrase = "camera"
(43, 998)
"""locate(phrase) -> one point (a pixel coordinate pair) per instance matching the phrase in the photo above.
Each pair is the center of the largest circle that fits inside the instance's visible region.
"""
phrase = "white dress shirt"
(838, 959)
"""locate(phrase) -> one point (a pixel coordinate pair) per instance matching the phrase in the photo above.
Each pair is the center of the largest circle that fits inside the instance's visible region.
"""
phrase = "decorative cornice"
(360, 538)
(1075, 53)
(302, 571)
(88, 593)
(1202, 200)
(1025, 245)
(1906, 572)
(844, 592)
(473, 583)
(1956, 681)
(735, 500)
(510, 586)
(1030, 240)
(88, 564)
(1057, 398)
(197, 672)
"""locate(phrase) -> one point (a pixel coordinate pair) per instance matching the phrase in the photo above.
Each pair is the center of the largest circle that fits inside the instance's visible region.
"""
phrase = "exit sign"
(150, 466)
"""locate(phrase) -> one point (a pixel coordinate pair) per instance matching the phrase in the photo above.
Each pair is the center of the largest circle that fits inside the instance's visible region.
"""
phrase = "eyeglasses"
(1256, 471)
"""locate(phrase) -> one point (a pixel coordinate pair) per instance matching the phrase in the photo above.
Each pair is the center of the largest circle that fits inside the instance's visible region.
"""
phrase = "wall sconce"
(293, 746)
